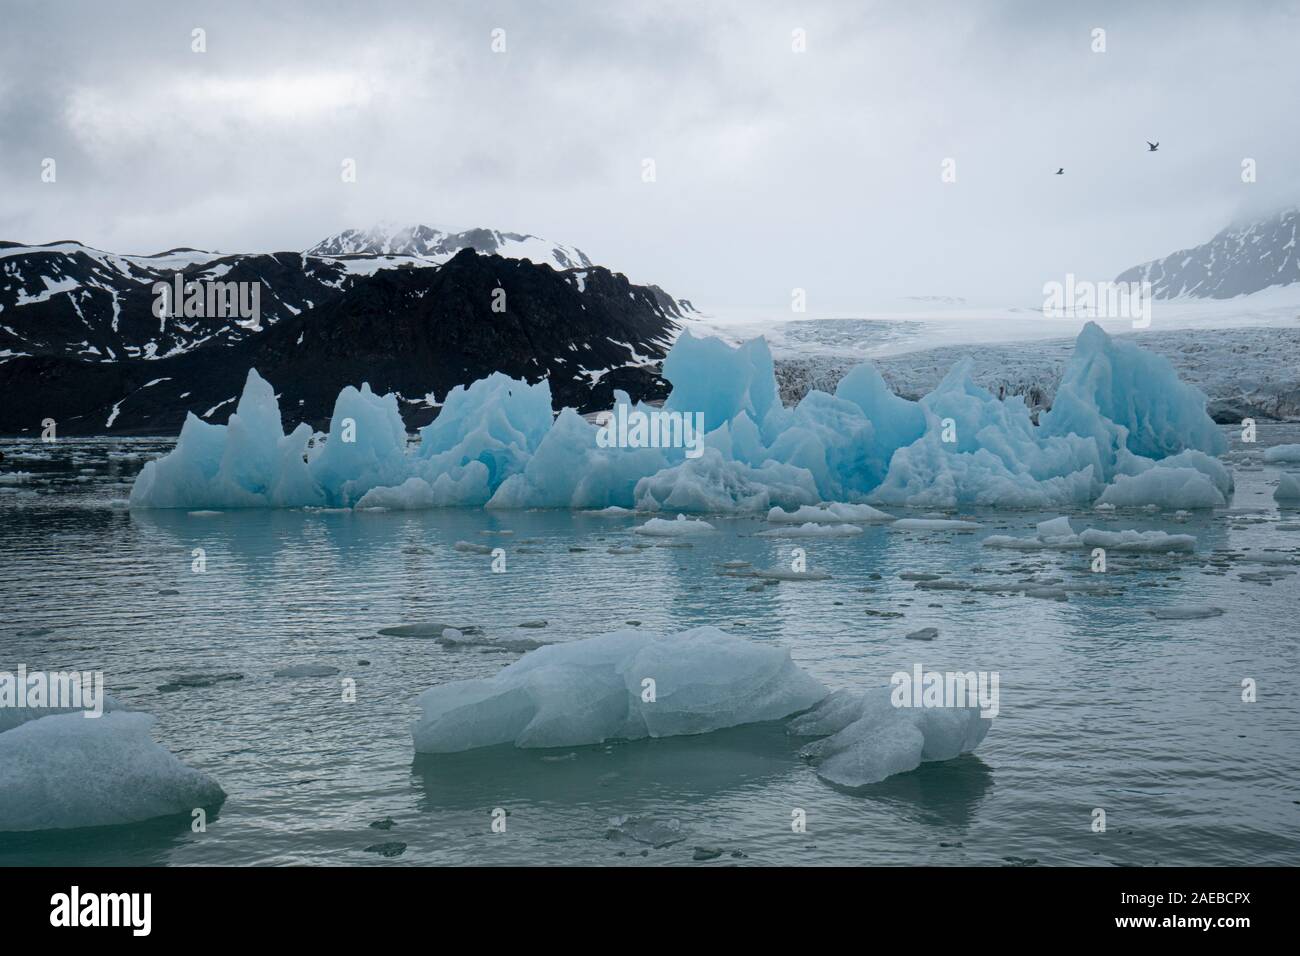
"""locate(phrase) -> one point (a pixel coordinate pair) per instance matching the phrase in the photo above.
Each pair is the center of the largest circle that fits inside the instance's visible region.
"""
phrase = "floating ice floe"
(453, 637)
(1058, 535)
(866, 738)
(1123, 431)
(662, 528)
(1288, 487)
(68, 771)
(836, 511)
(1287, 453)
(812, 530)
(587, 691)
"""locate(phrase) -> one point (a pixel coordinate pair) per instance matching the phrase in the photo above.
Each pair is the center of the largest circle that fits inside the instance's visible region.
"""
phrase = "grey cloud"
(818, 170)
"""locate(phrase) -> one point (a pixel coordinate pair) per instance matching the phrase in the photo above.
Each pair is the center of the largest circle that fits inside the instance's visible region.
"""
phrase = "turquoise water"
(1102, 705)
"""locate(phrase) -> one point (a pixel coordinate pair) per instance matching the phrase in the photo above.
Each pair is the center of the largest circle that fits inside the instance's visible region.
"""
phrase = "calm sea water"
(1102, 705)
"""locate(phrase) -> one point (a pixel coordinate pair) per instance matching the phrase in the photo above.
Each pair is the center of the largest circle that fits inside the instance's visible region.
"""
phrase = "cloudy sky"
(773, 169)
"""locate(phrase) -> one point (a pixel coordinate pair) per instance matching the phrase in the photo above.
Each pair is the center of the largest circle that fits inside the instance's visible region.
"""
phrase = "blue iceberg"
(1122, 431)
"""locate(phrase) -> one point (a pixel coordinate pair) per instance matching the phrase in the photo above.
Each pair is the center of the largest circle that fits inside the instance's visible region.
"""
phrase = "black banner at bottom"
(334, 905)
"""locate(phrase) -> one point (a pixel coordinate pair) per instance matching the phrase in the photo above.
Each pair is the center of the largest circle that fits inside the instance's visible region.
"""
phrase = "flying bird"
(1152, 147)
(1061, 171)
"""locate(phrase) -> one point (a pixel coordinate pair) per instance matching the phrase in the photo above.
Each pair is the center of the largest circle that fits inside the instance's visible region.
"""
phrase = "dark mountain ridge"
(414, 331)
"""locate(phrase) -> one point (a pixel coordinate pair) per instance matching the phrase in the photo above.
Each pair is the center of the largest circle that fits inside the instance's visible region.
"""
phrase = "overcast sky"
(774, 169)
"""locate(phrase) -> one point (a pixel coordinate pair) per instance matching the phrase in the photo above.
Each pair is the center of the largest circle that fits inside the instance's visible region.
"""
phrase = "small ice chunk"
(813, 530)
(1288, 486)
(1056, 528)
(661, 527)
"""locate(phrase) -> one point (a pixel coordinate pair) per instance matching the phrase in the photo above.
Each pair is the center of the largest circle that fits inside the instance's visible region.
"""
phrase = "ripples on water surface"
(1101, 704)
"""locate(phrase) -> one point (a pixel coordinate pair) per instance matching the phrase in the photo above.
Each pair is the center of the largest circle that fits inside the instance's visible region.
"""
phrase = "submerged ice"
(1123, 431)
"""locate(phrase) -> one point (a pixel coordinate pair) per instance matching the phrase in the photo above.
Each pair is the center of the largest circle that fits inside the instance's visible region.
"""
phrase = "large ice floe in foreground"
(624, 685)
(68, 770)
(1123, 431)
(633, 684)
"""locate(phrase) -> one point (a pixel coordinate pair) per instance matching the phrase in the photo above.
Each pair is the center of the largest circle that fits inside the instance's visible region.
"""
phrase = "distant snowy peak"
(426, 242)
(1239, 260)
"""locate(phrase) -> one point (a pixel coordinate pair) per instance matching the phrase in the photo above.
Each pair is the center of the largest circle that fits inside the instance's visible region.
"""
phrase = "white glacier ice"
(1123, 431)
(587, 691)
(865, 738)
(67, 771)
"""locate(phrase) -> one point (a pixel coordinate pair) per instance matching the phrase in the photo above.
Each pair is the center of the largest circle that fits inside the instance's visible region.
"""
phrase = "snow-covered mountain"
(76, 301)
(73, 300)
(426, 242)
(1241, 259)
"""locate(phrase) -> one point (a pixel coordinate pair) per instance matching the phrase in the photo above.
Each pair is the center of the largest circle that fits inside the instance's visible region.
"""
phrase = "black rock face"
(414, 331)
